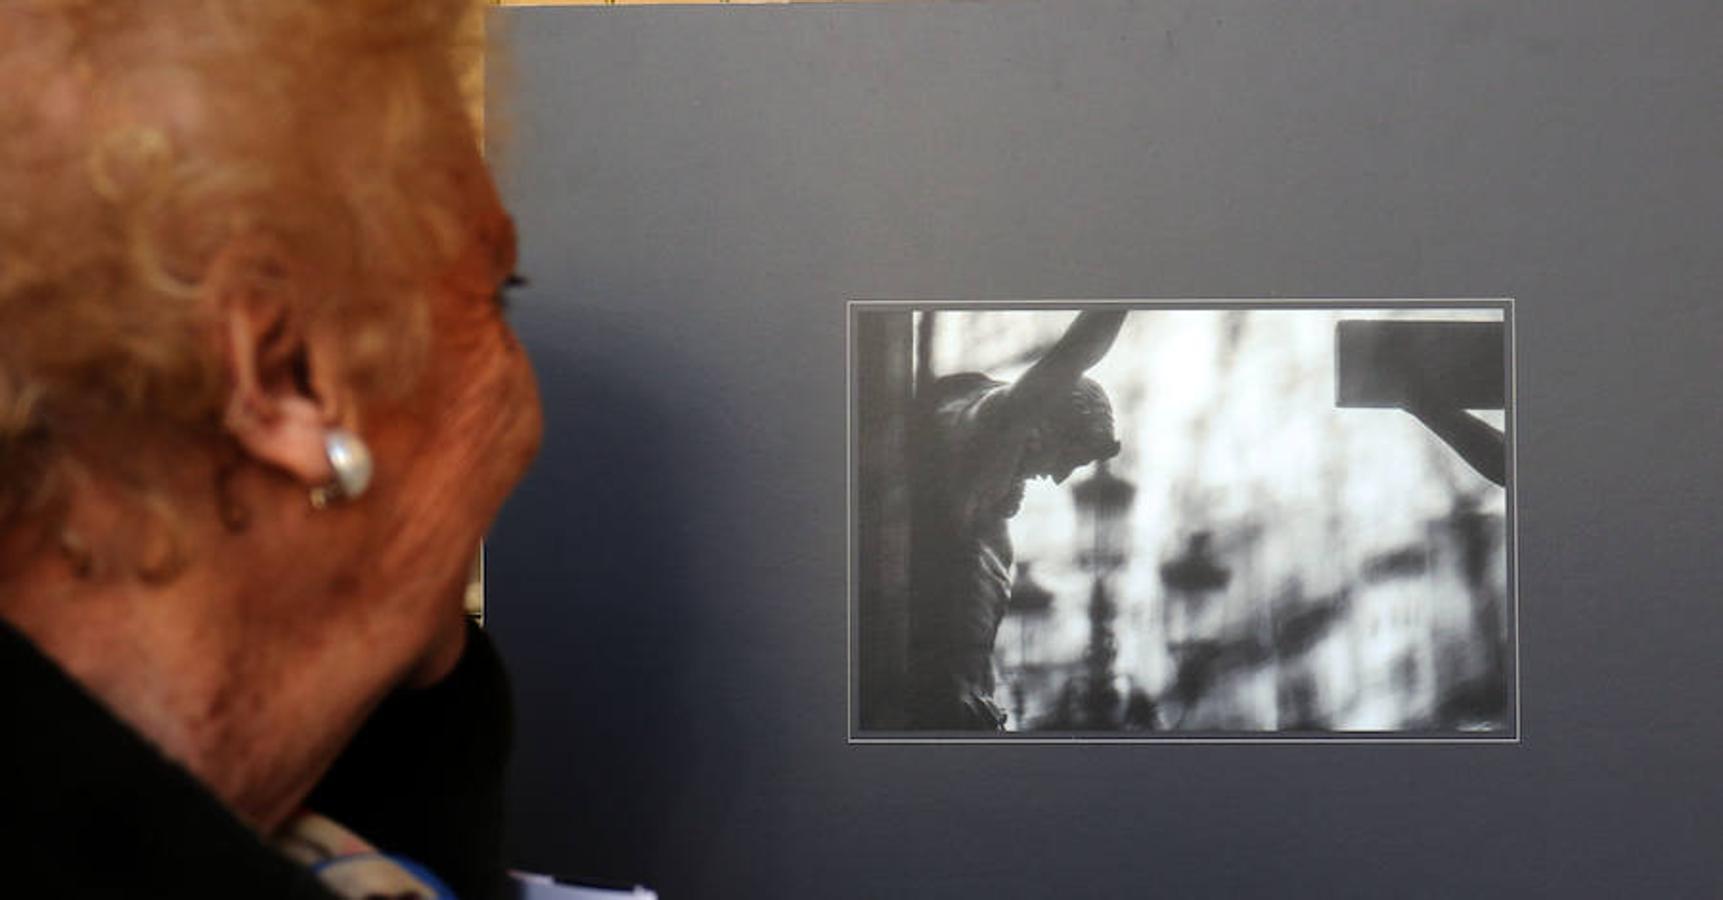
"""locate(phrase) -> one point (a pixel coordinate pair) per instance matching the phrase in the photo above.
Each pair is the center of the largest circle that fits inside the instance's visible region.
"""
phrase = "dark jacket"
(90, 809)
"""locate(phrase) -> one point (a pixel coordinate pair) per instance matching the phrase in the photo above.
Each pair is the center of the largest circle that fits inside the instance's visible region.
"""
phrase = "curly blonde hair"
(139, 139)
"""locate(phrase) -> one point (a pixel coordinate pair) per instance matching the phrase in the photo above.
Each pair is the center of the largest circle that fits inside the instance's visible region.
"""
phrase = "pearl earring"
(351, 461)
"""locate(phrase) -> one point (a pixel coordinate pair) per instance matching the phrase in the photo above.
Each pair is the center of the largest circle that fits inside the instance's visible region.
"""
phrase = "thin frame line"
(1506, 304)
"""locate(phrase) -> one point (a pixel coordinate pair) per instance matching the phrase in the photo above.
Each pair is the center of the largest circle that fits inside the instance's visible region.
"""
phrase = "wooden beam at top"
(659, 2)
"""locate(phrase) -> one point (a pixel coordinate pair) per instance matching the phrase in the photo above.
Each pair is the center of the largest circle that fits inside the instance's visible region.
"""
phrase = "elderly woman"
(258, 404)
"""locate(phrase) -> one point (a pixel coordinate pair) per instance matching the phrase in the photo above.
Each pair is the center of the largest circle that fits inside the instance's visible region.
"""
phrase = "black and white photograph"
(1236, 520)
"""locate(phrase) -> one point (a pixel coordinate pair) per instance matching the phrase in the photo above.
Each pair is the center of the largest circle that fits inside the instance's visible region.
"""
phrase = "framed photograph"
(1182, 520)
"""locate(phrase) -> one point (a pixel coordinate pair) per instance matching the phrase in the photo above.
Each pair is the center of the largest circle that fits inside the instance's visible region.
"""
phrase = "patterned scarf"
(351, 868)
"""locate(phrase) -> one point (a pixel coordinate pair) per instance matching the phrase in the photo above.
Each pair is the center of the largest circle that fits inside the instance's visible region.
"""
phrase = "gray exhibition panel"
(700, 190)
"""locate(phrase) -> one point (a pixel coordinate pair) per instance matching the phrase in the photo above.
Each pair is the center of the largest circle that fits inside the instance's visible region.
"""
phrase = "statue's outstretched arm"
(1053, 376)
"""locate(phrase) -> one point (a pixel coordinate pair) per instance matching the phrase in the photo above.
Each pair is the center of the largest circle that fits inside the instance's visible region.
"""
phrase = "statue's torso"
(963, 544)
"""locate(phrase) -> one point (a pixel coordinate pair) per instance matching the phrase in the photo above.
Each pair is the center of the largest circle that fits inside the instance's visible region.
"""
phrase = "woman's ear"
(281, 399)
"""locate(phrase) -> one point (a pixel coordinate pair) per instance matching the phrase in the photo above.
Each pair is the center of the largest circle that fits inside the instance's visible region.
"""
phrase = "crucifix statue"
(977, 441)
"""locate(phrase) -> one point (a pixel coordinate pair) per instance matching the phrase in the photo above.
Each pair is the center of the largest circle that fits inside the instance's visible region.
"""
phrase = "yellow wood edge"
(648, 2)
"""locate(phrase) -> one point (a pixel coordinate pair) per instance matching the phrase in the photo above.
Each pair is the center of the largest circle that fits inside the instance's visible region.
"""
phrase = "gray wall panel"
(700, 190)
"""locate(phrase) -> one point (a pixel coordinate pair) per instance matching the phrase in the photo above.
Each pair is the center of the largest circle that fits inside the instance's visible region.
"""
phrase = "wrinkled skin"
(254, 665)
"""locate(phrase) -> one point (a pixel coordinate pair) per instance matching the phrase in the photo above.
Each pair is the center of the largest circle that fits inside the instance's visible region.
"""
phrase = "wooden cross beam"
(1435, 371)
